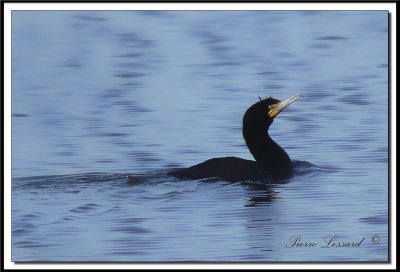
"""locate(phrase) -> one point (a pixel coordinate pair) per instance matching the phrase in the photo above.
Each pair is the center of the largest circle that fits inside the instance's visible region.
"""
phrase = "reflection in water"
(263, 198)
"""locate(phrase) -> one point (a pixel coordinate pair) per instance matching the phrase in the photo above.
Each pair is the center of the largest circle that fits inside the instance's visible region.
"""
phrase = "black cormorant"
(271, 160)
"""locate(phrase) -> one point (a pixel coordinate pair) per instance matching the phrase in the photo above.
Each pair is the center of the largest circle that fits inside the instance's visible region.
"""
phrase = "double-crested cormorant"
(272, 161)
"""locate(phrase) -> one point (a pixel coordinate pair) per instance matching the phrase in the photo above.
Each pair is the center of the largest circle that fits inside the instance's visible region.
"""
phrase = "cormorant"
(271, 160)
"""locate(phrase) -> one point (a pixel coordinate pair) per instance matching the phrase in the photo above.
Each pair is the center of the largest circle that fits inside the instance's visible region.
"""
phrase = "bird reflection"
(260, 193)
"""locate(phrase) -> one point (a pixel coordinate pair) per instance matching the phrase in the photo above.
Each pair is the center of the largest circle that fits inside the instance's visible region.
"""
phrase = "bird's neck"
(265, 150)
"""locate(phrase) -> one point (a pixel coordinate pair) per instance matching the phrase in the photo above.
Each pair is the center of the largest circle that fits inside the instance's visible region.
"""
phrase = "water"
(99, 96)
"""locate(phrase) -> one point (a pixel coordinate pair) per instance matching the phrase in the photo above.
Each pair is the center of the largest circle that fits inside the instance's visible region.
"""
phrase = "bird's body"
(271, 160)
(226, 168)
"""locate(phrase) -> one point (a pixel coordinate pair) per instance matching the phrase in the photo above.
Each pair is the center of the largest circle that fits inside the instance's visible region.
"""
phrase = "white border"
(200, 6)
(8, 7)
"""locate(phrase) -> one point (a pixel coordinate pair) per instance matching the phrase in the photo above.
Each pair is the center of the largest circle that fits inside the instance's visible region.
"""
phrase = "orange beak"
(277, 108)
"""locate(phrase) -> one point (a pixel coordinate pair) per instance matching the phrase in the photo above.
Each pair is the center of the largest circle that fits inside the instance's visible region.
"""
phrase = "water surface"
(99, 96)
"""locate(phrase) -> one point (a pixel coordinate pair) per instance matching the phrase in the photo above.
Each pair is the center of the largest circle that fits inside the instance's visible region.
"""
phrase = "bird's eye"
(271, 107)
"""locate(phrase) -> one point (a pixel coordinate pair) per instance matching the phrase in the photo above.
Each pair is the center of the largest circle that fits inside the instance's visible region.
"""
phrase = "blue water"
(100, 96)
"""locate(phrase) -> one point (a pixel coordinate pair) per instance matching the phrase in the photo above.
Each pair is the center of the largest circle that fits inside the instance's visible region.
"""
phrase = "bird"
(271, 160)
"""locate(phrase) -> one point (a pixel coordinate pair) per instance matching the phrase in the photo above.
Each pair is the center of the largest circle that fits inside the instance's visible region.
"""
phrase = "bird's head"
(263, 112)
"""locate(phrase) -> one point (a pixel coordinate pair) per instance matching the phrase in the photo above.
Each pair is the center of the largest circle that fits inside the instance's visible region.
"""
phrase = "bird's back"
(226, 168)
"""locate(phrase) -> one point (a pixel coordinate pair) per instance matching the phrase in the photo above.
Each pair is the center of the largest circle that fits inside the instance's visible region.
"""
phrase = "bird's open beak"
(275, 109)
